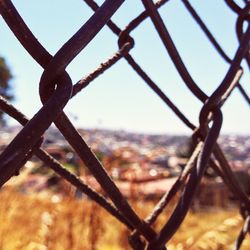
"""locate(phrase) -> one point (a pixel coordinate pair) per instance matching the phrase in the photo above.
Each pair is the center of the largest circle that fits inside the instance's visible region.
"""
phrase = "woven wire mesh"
(56, 89)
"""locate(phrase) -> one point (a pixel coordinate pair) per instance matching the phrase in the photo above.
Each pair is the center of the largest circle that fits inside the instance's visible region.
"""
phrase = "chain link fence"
(56, 89)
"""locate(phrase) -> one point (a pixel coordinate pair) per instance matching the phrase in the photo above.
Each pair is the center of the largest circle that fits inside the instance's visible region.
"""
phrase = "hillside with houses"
(142, 165)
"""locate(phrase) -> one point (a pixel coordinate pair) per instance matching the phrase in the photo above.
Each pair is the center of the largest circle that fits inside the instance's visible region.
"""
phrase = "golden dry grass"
(37, 223)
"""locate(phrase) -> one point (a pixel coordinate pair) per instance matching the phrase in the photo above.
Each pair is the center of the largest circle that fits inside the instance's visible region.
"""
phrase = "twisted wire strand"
(195, 177)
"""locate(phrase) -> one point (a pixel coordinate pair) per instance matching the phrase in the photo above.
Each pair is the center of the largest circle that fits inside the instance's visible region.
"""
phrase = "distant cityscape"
(151, 162)
(236, 147)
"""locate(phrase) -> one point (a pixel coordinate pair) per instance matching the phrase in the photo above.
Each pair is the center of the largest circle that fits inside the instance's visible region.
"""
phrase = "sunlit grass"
(38, 223)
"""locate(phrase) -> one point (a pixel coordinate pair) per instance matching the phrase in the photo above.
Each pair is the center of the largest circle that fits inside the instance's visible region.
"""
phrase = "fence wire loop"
(124, 38)
(56, 89)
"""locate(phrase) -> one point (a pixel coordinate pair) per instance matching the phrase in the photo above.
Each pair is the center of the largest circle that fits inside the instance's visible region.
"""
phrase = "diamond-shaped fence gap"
(236, 102)
(198, 65)
(48, 19)
(110, 82)
(155, 61)
(88, 60)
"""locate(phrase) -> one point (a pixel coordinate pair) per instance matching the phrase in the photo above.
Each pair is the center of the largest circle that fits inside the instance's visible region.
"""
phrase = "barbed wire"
(56, 89)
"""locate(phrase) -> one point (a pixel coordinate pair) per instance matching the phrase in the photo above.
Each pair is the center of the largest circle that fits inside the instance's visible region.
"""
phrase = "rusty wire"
(244, 231)
(56, 89)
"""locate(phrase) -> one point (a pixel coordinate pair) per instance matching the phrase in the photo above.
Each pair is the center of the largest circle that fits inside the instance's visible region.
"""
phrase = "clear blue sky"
(119, 99)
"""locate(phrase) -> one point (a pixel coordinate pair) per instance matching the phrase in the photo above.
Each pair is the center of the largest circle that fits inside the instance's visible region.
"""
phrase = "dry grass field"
(29, 222)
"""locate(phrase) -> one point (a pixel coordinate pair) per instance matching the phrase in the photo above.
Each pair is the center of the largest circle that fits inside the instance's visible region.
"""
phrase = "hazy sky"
(119, 99)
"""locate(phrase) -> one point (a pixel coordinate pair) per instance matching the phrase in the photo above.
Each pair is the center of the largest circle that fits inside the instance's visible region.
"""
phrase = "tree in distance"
(5, 87)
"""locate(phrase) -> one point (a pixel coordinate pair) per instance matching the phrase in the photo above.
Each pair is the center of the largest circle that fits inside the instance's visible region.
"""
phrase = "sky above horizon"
(119, 99)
